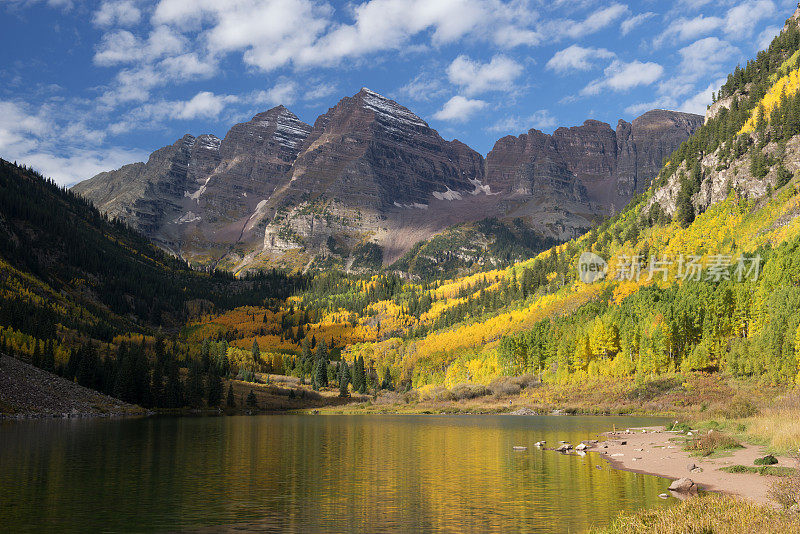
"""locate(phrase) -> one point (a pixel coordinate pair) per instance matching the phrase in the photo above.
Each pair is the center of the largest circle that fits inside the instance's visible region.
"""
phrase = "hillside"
(95, 301)
(701, 275)
(370, 181)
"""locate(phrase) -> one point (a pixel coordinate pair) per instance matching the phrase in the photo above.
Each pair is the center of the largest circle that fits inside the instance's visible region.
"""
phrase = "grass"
(706, 514)
(779, 424)
(712, 443)
(771, 470)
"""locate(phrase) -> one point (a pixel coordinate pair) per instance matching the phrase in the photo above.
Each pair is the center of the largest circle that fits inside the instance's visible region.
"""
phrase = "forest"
(88, 298)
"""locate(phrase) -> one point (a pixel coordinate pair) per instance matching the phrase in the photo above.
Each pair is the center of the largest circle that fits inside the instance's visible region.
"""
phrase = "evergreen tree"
(343, 378)
(251, 401)
(214, 396)
(231, 399)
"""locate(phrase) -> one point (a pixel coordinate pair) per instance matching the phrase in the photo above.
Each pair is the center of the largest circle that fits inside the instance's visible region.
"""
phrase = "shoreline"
(651, 451)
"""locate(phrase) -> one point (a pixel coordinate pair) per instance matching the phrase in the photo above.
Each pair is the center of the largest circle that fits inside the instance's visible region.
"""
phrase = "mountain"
(369, 181)
(589, 164)
(701, 282)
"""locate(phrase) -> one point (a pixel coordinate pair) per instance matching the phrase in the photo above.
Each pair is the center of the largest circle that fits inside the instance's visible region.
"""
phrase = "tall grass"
(779, 424)
(710, 513)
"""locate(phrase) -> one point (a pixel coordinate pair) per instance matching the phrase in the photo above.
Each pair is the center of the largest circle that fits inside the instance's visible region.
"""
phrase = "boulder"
(564, 448)
(683, 485)
(690, 467)
(581, 447)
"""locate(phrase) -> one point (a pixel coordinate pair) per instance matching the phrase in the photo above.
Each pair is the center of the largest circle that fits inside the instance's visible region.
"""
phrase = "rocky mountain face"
(589, 164)
(372, 178)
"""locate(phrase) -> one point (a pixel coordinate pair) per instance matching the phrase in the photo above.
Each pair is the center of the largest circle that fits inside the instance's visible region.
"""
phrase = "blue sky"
(88, 86)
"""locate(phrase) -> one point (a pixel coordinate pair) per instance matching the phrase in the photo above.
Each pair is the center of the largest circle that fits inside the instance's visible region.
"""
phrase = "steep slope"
(701, 272)
(591, 165)
(67, 267)
(370, 181)
(196, 197)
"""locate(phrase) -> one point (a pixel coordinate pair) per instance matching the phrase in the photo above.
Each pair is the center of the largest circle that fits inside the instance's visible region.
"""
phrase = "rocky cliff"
(591, 164)
(277, 191)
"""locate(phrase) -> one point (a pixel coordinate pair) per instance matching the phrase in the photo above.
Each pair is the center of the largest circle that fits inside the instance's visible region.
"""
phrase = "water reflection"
(311, 473)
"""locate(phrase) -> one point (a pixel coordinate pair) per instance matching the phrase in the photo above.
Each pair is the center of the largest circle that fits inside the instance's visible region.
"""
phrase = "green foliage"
(766, 460)
(251, 400)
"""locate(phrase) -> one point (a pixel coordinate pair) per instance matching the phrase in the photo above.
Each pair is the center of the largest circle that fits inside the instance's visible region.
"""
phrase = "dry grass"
(779, 425)
(712, 442)
(711, 513)
(786, 491)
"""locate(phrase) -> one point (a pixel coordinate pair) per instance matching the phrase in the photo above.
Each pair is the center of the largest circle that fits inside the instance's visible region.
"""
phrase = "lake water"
(332, 473)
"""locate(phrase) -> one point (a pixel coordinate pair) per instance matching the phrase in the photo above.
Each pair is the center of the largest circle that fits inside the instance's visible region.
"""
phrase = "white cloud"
(284, 92)
(459, 109)
(577, 58)
(742, 19)
(304, 33)
(683, 29)
(765, 38)
(34, 137)
(203, 104)
(118, 47)
(541, 120)
(188, 66)
(422, 88)
(621, 76)
(321, 90)
(594, 22)
(475, 77)
(630, 23)
(120, 13)
(705, 57)
(700, 101)
(80, 164)
(122, 47)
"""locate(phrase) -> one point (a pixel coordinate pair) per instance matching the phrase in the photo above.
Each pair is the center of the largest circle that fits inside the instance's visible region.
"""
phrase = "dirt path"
(651, 451)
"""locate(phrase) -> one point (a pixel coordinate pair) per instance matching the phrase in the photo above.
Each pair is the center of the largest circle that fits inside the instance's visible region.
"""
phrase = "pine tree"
(343, 378)
(251, 401)
(362, 377)
(214, 396)
(321, 365)
(256, 352)
(231, 400)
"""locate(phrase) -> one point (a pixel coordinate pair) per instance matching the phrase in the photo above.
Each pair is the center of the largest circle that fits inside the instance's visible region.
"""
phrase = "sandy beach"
(655, 451)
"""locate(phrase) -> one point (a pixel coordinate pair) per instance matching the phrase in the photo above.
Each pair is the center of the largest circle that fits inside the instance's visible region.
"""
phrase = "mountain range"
(370, 180)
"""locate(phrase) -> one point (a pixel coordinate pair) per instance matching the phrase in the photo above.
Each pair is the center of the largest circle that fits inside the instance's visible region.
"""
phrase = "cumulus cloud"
(476, 77)
(459, 109)
(684, 29)
(742, 19)
(541, 120)
(423, 88)
(765, 38)
(596, 21)
(699, 102)
(577, 58)
(630, 23)
(706, 56)
(123, 47)
(320, 90)
(121, 13)
(33, 137)
(304, 33)
(621, 76)
(284, 92)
